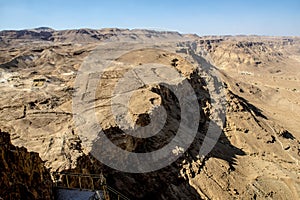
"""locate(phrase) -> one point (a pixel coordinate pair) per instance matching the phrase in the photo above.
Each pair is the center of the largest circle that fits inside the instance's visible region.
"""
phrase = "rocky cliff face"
(169, 182)
(23, 174)
(229, 52)
(256, 156)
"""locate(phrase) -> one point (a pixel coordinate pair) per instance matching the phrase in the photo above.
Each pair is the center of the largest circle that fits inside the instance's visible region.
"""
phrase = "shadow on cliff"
(166, 183)
(169, 182)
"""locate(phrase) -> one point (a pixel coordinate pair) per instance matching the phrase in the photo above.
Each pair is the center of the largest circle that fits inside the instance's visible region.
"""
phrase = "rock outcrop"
(23, 174)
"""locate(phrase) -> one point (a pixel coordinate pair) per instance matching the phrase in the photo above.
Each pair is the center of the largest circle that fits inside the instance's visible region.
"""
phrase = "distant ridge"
(86, 35)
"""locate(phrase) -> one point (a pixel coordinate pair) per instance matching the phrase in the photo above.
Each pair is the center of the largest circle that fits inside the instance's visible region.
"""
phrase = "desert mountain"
(84, 35)
(255, 157)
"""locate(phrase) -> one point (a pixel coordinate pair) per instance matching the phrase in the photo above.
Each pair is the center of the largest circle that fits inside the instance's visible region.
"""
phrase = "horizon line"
(152, 29)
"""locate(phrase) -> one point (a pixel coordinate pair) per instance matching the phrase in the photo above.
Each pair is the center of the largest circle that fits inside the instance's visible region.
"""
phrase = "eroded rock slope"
(256, 156)
(23, 174)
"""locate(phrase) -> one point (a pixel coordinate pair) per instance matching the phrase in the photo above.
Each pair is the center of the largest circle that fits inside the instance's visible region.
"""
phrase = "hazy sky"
(262, 17)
